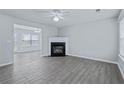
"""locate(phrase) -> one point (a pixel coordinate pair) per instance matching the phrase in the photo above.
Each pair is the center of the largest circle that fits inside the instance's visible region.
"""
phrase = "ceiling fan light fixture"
(56, 19)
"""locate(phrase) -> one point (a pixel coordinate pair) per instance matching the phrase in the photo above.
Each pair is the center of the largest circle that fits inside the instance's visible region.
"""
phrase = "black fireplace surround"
(58, 49)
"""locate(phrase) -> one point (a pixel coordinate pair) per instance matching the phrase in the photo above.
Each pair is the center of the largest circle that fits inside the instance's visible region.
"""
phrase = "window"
(30, 39)
(35, 39)
(27, 38)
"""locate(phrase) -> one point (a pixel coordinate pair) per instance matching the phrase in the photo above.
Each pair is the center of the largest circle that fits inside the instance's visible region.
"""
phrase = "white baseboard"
(122, 73)
(44, 55)
(26, 51)
(96, 59)
(1, 65)
(119, 65)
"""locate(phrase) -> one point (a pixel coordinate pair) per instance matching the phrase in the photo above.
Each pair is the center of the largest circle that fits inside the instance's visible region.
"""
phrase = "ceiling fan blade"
(53, 13)
(60, 17)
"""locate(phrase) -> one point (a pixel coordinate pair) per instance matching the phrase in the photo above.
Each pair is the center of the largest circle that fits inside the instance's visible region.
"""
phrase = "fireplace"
(57, 48)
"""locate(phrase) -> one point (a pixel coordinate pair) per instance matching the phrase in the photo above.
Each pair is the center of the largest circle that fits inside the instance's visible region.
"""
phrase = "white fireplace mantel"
(59, 39)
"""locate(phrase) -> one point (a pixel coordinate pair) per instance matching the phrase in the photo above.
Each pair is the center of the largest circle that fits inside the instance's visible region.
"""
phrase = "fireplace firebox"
(57, 48)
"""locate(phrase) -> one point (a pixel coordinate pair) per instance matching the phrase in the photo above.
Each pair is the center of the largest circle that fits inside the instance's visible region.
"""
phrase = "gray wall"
(7, 40)
(98, 39)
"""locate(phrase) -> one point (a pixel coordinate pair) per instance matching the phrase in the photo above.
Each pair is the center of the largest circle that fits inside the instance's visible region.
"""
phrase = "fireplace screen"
(58, 49)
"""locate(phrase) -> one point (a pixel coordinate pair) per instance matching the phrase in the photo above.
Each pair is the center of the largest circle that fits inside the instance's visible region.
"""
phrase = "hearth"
(58, 49)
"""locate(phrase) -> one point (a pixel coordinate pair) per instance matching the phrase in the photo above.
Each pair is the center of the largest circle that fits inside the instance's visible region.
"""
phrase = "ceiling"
(74, 16)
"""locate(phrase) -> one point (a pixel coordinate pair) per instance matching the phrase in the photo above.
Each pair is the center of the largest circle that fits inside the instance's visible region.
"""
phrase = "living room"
(61, 46)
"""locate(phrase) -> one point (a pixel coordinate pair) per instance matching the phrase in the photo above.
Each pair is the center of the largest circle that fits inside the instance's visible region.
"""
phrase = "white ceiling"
(75, 16)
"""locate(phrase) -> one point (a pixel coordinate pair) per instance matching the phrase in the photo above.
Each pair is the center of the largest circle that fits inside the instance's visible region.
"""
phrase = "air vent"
(98, 10)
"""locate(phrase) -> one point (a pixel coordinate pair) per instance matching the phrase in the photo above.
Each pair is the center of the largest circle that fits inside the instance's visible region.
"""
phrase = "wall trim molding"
(122, 73)
(26, 51)
(121, 57)
(44, 55)
(96, 59)
(120, 67)
(1, 65)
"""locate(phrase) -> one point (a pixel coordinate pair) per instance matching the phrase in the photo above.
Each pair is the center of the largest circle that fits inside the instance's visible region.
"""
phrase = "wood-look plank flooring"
(30, 68)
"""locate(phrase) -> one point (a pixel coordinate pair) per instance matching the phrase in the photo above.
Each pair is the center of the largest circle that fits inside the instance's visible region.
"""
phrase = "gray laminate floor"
(32, 69)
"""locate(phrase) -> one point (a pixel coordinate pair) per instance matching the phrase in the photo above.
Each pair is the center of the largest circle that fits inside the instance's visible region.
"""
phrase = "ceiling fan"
(58, 14)
(55, 14)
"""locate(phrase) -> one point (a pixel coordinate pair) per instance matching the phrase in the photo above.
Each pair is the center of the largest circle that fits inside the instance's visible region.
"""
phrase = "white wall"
(121, 38)
(121, 41)
(7, 40)
(98, 39)
(47, 33)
